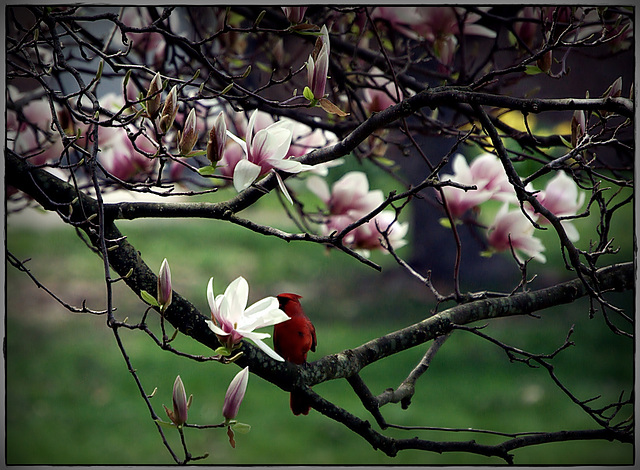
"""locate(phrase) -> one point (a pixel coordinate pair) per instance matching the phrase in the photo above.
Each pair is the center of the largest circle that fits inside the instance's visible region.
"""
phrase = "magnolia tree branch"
(211, 70)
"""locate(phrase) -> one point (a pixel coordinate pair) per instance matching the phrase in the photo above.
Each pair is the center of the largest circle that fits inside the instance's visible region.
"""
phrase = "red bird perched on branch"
(292, 339)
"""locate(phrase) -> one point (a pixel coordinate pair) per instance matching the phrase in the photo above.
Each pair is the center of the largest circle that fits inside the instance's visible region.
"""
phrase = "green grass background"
(71, 400)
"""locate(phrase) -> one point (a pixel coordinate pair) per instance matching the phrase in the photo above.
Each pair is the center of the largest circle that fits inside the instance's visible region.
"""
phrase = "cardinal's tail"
(299, 404)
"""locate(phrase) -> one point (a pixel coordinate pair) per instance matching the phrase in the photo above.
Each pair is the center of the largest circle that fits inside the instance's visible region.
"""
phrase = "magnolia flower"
(512, 229)
(399, 18)
(235, 394)
(562, 198)
(488, 172)
(180, 404)
(445, 48)
(380, 98)
(527, 29)
(264, 150)
(146, 43)
(349, 195)
(305, 139)
(120, 158)
(165, 291)
(189, 135)
(444, 21)
(34, 138)
(460, 200)
(318, 65)
(295, 15)
(348, 201)
(368, 236)
(217, 139)
(232, 320)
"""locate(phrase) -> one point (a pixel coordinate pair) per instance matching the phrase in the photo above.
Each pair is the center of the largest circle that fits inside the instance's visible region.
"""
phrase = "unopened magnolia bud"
(154, 96)
(189, 134)
(544, 62)
(235, 394)
(180, 405)
(616, 88)
(169, 111)
(318, 65)
(294, 14)
(217, 139)
(165, 291)
(578, 127)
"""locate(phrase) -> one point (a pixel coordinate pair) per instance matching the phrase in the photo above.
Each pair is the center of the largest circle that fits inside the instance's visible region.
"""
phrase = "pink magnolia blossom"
(147, 43)
(264, 150)
(399, 18)
(348, 201)
(169, 111)
(445, 48)
(438, 25)
(34, 137)
(562, 198)
(369, 235)
(512, 229)
(487, 170)
(378, 99)
(442, 21)
(118, 154)
(120, 157)
(578, 127)
(459, 200)
(349, 195)
(615, 90)
(305, 139)
(441, 27)
(527, 31)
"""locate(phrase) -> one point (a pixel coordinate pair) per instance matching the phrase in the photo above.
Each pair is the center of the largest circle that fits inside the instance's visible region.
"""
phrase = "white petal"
(262, 345)
(319, 187)
(250, 126)
(253, 335)
(571, 230)
(271, 143)
(244, 174)
(210, 296)
(478, 30)
(238, 140)
(264, 314)
(268, 303)
(290, 166)
(215, 328)
(283, 188)
(234, 301)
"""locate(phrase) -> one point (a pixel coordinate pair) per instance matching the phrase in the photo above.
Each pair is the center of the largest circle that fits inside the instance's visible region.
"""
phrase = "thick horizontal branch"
(618, 277)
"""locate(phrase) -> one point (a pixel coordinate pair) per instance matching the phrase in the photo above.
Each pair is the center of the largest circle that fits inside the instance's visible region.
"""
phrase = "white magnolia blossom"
(263, 151)
(233, 320)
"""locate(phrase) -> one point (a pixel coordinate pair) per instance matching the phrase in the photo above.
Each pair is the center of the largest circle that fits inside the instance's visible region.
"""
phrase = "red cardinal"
(292, 339)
